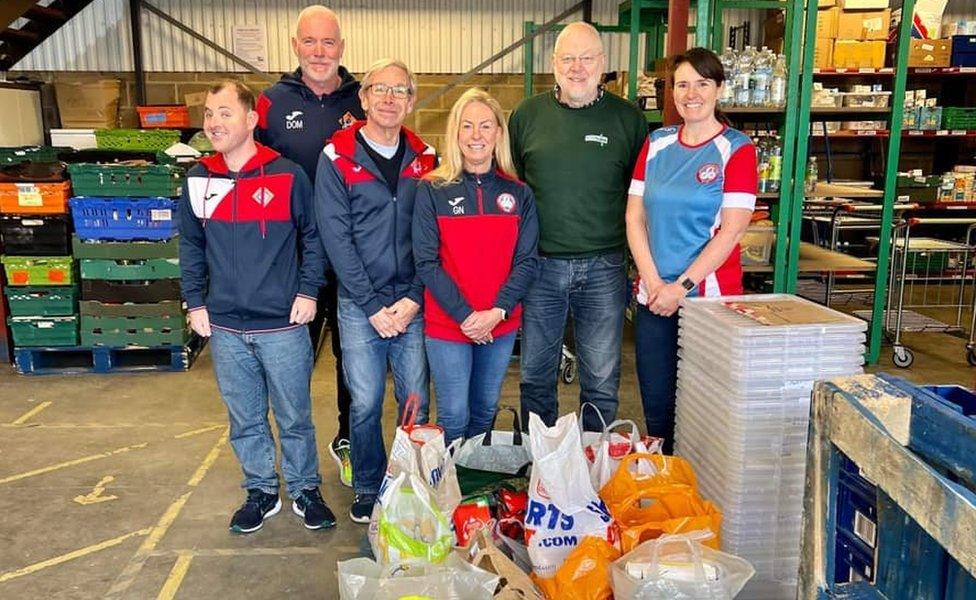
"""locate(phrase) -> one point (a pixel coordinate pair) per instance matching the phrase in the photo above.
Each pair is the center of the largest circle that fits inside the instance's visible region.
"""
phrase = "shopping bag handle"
(691, 540)
(410, 409)
(516, 426)
(594, 408)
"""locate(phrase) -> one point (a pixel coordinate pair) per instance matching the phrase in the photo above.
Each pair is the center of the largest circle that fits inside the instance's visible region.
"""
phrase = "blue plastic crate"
(956, 397)
(98, 218)
(857, 524)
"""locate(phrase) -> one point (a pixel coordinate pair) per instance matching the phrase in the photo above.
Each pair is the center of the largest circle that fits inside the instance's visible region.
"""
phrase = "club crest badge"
(346, 120)
(708, 173)
(505, 202)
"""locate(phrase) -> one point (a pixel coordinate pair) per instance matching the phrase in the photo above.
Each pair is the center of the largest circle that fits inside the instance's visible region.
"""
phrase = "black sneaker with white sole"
(251, 515)
(362, 508)
(312, 508)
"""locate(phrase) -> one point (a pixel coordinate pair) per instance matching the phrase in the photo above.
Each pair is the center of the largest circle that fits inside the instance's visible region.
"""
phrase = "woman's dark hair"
(707, 64)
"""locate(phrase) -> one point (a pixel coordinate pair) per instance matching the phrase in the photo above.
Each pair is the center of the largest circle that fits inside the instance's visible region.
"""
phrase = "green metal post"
(802, 146)
(701, 19)
(891, 172)
(528, 51)
(718, 36)
(635, 23)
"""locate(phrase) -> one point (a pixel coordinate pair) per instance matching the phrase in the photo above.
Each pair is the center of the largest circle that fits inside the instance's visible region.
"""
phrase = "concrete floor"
(156, 445)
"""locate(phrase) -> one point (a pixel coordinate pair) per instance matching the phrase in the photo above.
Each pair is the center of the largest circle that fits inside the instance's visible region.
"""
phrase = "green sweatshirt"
(578, 162)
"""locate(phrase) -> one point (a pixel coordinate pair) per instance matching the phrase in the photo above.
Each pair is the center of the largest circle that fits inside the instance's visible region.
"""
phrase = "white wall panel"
(433, 36)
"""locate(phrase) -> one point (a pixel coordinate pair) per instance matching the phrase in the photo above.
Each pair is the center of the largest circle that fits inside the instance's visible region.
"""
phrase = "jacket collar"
(347, 83)
(344, 141)
(215, 164)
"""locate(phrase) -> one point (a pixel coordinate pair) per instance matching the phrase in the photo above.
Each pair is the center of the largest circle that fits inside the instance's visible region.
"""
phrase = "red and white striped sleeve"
(741, 179)
(640, 170)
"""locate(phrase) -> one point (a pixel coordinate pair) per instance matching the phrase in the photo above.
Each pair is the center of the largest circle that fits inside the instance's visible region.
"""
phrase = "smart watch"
(688, 284)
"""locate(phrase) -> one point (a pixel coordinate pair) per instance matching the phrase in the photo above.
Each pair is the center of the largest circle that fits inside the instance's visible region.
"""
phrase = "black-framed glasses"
(382, 89)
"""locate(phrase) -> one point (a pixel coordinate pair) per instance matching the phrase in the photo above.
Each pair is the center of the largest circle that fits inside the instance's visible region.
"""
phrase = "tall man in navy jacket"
(364, 195)
(296, 117)
(245, 215)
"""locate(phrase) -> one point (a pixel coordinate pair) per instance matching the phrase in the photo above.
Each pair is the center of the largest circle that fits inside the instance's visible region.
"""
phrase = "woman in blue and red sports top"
(691, 200)
(475, 237)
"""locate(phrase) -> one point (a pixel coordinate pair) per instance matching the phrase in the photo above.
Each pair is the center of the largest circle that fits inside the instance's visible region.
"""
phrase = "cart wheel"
(971, 356)
(569, 371)
(902, 357)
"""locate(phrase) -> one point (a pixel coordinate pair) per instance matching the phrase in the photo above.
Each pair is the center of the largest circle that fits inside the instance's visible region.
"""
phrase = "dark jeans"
(656, 347)
(593, 292)
(328, 301)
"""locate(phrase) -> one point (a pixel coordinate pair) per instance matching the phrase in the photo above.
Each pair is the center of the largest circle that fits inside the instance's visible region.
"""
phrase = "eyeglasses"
(587, 60)
(381, 89)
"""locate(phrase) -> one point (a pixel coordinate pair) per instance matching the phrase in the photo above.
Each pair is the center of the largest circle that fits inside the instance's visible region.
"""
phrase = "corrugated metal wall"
(433, 36)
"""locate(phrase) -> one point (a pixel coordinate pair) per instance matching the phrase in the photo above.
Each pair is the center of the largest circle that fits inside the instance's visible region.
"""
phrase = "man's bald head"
(316, 11)
(578, 63)
(578, 32)
(318, 44)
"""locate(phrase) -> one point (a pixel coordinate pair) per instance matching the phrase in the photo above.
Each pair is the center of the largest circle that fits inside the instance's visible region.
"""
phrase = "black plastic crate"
(156, 290)
(35, 235)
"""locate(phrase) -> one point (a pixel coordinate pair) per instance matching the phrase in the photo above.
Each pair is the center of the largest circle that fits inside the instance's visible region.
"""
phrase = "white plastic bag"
(678, 567)
(605, 449)
(505, 452)
(364, 579)
(409, 524)
(563, 506)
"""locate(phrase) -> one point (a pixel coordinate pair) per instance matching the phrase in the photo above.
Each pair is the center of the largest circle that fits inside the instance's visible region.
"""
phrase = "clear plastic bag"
(409, 524)
(679, 567)
(454, 579)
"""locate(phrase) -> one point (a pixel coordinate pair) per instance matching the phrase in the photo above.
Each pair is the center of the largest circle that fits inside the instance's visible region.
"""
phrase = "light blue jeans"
(250, 369)
(366, 356)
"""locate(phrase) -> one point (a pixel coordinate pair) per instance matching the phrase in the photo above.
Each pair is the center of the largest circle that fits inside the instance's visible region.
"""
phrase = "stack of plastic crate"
(35, 236)
(126, 244)
(746, 371)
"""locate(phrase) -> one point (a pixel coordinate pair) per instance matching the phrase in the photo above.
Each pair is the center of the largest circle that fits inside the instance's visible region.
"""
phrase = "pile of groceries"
(555, 512)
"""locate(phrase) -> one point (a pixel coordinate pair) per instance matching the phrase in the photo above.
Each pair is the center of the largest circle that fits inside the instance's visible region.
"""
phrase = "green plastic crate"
(44, 331)
(118, 325)
(958, 117)
(88, 179)
(38, 270)
(130, 270)
(16, 155)
(136, 139)
(125, 250)
(926, 263)
(31, 301)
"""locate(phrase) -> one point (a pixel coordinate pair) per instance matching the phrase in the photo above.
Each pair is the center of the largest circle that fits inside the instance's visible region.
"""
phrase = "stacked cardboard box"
(860, 31)
(929, 53)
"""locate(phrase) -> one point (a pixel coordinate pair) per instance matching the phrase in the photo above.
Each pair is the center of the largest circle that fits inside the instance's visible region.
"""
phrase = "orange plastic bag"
(682, 512)
(585, 574)
(674, 475)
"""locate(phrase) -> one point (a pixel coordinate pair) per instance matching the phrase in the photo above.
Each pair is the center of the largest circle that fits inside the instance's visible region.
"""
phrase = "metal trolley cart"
(932, 274)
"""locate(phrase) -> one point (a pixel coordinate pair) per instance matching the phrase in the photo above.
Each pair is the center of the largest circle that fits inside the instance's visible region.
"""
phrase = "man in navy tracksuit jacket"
(245, 216)
(297, 116)
(364, 195)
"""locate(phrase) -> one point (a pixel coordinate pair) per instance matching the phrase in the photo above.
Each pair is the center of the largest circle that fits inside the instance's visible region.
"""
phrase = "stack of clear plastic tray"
(742, 416)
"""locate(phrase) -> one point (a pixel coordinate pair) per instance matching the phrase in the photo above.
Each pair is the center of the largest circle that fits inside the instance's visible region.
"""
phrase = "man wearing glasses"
(364, 194)
(296, 116)
(576, 146)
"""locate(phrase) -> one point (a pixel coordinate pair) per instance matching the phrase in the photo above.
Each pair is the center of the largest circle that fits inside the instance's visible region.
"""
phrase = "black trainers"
(310, 506)
(362, 508)
(251, 515)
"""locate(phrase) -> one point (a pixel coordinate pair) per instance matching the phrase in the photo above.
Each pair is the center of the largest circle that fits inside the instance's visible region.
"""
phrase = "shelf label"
(161, 214)
(915, 132)
(967, 69)
(867, 132)
(942, 132)
(28, 195)
(958, 132)
(865, 70)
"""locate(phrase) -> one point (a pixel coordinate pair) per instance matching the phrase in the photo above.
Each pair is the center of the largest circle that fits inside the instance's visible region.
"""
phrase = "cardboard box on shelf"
(857, 54)
(823, 53)
(929, 53)
(862, 4)
(827, 3)
(774, 27)
(827, 20)
(88, 105)
(863, 25)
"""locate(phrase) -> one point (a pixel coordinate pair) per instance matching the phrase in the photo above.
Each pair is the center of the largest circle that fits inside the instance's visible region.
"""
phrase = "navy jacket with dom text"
(248, 241)
(297, 123)
(366, 229)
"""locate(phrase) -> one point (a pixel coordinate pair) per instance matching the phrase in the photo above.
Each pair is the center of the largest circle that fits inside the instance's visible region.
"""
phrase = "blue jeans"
(365, 359)
(250, 369)
(467, 381)
(593, 291)
(656, 347)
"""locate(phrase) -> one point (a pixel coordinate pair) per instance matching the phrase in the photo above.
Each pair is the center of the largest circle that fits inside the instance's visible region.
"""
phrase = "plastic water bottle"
(776, 165)
(759, 79)
(777, 88)
(728, 64)
(812, 176)
(743, 76)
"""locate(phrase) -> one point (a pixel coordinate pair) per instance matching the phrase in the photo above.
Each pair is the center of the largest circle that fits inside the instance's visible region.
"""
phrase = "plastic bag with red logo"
(563, 507)
(605, 449)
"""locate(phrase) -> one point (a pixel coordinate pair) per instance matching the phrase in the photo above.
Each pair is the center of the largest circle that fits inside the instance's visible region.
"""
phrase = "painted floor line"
(104, 425)
(283, 551)
(71, 463)
(32, 412)
(198, 431)
(175, 579)
(57, 560)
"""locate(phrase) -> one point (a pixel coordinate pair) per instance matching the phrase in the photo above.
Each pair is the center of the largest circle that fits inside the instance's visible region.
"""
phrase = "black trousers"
(328, 301)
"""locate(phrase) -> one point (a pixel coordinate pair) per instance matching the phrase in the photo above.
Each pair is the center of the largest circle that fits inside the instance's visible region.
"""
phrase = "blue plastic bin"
(98, 218)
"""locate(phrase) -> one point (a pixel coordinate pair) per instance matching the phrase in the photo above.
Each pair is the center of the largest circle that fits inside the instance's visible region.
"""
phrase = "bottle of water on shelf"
(728, 64)
(759, 79)
(812, 176)
(777, 87)
(743, 76)
(775, 165)
(762, 163)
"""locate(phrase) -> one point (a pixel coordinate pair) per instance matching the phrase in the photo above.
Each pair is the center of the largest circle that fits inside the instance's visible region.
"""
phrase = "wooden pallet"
(920, 452)
(77, 360)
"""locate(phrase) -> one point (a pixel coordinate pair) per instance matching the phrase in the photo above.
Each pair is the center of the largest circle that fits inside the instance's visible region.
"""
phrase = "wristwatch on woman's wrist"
(687, 283)
(504, 313)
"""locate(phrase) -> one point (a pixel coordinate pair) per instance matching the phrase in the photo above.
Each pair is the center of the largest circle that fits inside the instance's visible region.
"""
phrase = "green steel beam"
(891, 171)
(528, 52)
(701, 16)
(791, 132)
(717, 35)
(788, 284)
(635, 24)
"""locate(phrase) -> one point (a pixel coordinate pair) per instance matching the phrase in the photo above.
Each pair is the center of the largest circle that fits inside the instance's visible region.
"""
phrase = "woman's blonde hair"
(452, 161)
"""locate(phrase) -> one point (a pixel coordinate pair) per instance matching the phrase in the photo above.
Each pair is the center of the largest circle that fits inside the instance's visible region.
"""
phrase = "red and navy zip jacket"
(297, 123)
(366, 230)
(248, 242)
(475, 243)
